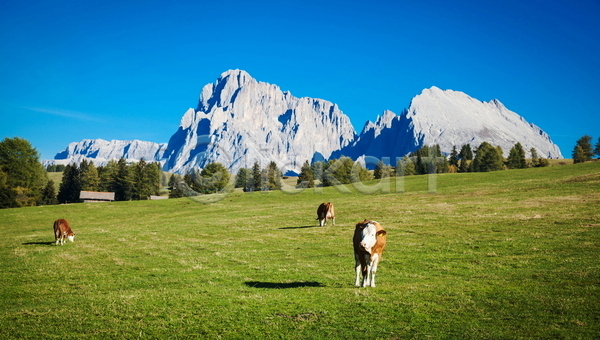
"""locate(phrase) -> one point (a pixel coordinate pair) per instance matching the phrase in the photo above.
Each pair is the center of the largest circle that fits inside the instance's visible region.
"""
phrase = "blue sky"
(73, 70)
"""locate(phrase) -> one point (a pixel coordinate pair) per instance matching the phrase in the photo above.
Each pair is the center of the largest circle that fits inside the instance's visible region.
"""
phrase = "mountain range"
(239, 121)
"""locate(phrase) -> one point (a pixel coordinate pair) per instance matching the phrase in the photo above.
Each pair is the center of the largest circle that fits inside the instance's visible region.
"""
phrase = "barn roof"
(97, 196)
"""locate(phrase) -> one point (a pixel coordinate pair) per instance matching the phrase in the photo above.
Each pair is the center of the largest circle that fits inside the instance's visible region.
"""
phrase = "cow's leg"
(333, 221)
(358, 270)
(367, 272)
(373, 271)
(321, 222)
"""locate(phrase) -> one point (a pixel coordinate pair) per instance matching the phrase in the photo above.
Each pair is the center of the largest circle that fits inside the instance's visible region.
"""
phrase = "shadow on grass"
(282, 285)
(303, 227)
(42, 243)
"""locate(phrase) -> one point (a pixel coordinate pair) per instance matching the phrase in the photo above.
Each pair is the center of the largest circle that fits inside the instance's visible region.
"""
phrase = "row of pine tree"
(23, 179)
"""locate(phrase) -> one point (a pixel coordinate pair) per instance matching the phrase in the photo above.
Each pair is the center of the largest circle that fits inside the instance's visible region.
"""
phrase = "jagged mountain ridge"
(448, 118)
(101, 151)
(239, 120)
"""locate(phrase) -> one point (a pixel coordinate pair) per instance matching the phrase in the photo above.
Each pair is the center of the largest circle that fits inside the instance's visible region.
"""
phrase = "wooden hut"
(95, 196)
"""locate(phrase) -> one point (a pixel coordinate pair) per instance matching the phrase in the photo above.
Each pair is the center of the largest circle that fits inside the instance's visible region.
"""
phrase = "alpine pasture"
(501, 255)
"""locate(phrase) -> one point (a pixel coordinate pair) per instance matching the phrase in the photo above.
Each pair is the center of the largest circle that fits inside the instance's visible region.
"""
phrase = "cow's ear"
(381, 233)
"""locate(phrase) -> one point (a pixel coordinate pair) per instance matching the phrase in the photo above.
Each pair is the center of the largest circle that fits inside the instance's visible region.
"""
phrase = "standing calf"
(369, 241)
(63, 231)
(324, 212)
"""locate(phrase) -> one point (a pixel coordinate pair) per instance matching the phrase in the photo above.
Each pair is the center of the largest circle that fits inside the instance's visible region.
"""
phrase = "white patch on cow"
(71, 238)
(369, 237)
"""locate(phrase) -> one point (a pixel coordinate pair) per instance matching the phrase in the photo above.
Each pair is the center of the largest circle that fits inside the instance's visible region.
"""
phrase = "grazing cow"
(63, 231)
(369, 241)
(324, 212)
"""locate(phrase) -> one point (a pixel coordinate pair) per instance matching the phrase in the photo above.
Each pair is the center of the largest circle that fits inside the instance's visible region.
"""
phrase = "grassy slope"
(508, 254)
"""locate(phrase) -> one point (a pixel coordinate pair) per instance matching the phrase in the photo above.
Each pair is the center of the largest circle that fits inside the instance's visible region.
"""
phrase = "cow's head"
(369, 234)
(71, 237)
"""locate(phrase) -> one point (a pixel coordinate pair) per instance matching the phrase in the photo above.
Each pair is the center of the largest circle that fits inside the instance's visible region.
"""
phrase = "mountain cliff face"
(448, 118)
(101, 151)
(239, 120)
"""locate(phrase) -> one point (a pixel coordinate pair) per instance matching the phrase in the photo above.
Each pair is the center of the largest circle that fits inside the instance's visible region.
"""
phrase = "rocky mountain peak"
(239, 121)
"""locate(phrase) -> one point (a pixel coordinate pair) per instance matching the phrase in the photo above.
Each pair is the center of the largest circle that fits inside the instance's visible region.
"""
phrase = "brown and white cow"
(63, 231)
(369, 241)
(324, 212)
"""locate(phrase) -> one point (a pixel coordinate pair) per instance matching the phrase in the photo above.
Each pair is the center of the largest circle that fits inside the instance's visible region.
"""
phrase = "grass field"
(503, 255)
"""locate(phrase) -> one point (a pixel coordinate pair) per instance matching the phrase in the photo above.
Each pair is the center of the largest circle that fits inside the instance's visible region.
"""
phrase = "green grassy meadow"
(503, 255)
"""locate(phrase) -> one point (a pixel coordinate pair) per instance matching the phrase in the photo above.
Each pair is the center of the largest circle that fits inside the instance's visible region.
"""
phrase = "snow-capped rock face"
(240, 120)
(452, 118)
(448, 118)
(101, 151)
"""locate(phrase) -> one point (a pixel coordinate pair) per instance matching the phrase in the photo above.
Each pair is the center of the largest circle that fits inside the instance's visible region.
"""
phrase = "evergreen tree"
(122, 181)
(583, 150)
(305, 179)
(318, 170)
(107, 175)
(273, 177)
(339, 171)
(405, 167)
(487, 158)
(155, 177)
(175, 182)
(242, 177)
(175, 191)
(255, 182)
(516, 157)
(465, 155)
(466, 152)
(214, 177)
(19, 162)
(172, 180)
(361, 174)
(49, 194)
(429, 159)
(463, 165)
(597, 149)
(382, 170)
(7, 195)
(535, 159)
(578, 155)
(140, 186)
(90, 180)
(188, 178)
(70, 187)
(500, 160)
(55, 168)
(145, 179)
(454, 156)
(420, 167)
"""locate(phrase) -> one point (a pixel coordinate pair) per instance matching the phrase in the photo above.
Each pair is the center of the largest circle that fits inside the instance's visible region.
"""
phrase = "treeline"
(55, 168)
(333, 172)
(583, 151)
(135, 181)
(23, 180)
(215, 177)
(486, 157)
